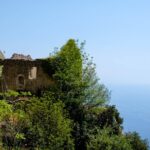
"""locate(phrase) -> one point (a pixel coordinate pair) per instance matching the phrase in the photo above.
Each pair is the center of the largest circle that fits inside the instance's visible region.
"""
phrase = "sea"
(133, 103)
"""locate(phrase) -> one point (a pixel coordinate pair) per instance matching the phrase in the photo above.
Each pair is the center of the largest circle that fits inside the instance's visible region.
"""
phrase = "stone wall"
(24, 75)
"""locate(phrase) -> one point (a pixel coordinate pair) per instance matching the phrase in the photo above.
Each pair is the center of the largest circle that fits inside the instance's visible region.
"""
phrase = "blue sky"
(117, 33)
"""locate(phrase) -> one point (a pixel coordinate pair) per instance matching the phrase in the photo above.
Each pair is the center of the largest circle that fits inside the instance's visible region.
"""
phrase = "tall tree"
(75, 76)
(68, 71)
(95, 93)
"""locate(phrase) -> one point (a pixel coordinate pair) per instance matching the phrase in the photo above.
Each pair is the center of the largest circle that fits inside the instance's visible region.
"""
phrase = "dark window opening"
(20, 82)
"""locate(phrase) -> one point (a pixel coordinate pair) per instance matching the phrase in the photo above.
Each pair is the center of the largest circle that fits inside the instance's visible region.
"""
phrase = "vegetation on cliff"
(73, 114)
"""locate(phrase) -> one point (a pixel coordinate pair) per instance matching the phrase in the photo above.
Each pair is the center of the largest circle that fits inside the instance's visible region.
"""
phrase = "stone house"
(21, 73)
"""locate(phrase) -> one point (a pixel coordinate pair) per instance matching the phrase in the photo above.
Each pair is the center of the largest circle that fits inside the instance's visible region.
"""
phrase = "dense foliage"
(72, 114)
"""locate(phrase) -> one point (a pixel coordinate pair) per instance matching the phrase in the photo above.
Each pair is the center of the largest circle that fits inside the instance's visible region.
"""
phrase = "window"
(32, 73)
(20, 81)
(1, 70)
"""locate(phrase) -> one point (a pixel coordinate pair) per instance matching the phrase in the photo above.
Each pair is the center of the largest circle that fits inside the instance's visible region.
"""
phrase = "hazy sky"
(117, 33)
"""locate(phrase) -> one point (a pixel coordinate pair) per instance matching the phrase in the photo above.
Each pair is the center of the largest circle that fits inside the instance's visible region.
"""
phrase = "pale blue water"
(133, 103)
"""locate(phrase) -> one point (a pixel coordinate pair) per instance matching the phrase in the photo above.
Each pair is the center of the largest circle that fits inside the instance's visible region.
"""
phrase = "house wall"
(24, 75)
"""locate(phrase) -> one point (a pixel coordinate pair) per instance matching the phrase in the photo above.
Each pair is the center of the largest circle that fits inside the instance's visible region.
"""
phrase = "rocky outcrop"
(21, 57)
(2, 57)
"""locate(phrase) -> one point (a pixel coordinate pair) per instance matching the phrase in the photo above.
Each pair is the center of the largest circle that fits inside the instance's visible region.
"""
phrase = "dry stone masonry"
(22, 73)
